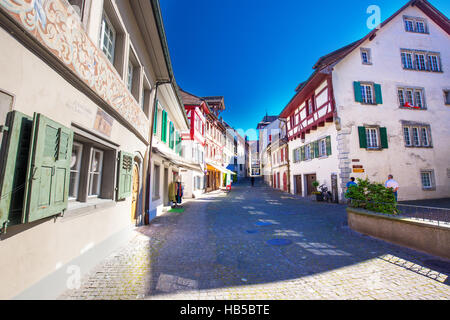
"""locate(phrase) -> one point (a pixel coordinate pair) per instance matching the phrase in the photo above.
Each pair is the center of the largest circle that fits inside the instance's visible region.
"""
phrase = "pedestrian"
(392, 184)
(253, 181)
(351, 183)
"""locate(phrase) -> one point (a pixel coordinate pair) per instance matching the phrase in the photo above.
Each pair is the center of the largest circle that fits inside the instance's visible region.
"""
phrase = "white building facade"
(379, 106)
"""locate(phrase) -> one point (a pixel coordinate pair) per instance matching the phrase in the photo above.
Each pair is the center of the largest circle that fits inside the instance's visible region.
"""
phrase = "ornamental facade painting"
(56, 25)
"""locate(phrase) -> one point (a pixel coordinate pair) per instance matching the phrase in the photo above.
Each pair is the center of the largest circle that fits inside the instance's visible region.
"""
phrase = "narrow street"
(218, 249)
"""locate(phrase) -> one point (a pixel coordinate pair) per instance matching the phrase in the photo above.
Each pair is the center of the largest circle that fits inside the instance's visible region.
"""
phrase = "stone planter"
(423, 236)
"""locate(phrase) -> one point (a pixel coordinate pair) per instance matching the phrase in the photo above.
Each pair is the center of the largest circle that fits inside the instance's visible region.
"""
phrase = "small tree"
(372, 196)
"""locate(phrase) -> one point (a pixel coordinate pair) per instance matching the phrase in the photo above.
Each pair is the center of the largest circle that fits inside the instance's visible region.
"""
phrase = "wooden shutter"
(378, 95)
(171, 135)
(164, 127)
(315, 145)
(328, 140)
(362, 137)
(357, 87)
(14, 155)
(155, 118)
(48, 172)
(125, 175)
(302, 153)
(384, 138)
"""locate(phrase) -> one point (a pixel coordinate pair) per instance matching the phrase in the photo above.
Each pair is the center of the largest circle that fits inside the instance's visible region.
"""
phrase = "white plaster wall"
(404, 163)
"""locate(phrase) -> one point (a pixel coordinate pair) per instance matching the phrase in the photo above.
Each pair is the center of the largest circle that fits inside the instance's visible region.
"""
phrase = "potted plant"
(318, 194)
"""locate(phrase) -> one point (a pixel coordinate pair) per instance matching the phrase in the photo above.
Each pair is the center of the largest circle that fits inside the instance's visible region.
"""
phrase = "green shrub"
(372, 196)
(315, 184)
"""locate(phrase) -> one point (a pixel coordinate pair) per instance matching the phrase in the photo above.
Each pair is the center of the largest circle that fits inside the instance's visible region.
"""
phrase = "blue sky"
(256, 52)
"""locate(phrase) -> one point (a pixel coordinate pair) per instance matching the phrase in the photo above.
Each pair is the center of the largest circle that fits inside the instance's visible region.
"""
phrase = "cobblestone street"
(220, 248)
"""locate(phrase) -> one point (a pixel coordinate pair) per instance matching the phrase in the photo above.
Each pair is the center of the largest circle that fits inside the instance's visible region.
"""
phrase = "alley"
(257, 243)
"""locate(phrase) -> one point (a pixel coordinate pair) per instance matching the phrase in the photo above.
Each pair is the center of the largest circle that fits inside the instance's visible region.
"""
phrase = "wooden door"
(278, 181)
(298, 185)
(285, 182)
(310, 178)
(134, 194)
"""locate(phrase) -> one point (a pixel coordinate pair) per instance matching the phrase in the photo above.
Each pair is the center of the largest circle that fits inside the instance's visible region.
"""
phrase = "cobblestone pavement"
(218, 249)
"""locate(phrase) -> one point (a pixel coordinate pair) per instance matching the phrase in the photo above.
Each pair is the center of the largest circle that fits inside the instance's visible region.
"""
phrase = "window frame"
(366, 51)
(431, 179)
(364, 95)
(369, 138)
(414, 21)
(411, 98)
(415, 63)
(107, 22)
(91, 173)
(77, 171)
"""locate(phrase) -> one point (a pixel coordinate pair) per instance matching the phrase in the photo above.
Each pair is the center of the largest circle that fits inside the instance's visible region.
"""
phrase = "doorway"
(135, 194)
(298, 185)
(310, 178)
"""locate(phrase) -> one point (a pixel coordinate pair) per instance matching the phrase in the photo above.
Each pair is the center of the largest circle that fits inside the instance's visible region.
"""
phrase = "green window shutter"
(315, 144)
(171, 137)
(15, 151)
(362, 137)
(155, 118)
(294, 152)
(384, 138)
(48, 172)
(328, 140)
(164, 127)
(378, 95)
(357, 87)
(125, 175)
(302, 153)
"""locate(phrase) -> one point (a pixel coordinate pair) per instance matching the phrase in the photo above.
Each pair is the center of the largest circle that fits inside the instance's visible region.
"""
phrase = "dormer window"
(415, 24)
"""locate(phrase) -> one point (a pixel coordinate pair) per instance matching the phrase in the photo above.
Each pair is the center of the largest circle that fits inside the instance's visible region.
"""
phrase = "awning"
(220, 168)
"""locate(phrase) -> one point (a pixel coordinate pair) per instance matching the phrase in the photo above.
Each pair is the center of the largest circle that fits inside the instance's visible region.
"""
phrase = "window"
(411, 98)
(367, 93)
(427, 178)
(95, 172)
(156, 181)
(308, 152)
(407, 136)
(447, 97)
(424, 137)
(407, 61)
(417, 135)
(409, 25)
(75, 169)
(90, 160)
(420, 26)
(322, 147)
(416, 138)
(421, 60)
(372, 138)
(107, 38)
(130, 76)
(415, 24)
(433, 63)
(365, 56)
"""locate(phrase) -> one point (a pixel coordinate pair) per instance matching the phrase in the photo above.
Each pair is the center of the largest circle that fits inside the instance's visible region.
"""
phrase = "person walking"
(392, 184)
